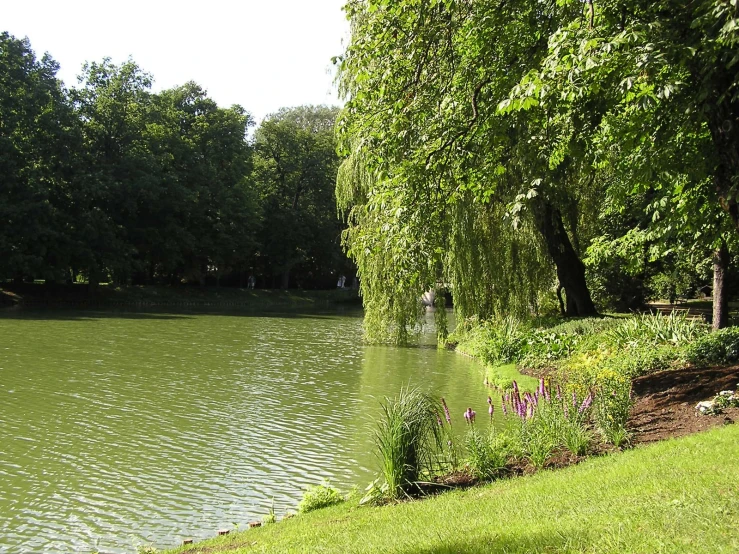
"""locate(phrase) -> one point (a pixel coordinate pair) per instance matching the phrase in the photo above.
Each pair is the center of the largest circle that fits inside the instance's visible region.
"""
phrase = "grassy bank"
(589, 351)
(39, 295)
(676, 496)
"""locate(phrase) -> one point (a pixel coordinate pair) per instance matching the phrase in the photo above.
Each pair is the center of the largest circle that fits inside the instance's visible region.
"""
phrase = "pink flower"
(586, 403)
(469, 415)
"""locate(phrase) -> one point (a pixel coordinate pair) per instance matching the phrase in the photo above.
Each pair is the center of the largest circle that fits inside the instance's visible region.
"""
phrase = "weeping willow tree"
(443, 189)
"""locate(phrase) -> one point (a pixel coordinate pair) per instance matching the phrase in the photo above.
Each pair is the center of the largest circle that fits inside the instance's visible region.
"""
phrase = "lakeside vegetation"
(678, 495)
(621, 499)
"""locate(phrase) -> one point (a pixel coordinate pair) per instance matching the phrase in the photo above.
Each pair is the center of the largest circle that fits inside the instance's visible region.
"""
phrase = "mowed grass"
(676, 496)
(503, 376)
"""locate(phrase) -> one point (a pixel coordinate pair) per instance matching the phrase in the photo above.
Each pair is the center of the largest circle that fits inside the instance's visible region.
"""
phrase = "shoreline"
(38, 296)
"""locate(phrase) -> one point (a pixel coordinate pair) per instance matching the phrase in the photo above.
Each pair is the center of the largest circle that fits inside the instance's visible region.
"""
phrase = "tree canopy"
(109, 181)
(495, 135)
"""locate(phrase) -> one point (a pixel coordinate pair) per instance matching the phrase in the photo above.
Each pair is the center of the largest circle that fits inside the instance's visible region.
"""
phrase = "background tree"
(295, 172)
(36, 156)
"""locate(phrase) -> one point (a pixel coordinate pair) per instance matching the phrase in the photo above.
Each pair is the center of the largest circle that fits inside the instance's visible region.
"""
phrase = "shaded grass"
(502, 376)
(676, 496)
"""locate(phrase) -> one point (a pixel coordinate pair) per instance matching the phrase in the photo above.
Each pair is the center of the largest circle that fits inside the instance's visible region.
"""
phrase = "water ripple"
(124, 431)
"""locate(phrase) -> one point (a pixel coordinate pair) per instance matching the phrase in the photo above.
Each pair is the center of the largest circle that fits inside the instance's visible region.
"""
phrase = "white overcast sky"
(261, 54)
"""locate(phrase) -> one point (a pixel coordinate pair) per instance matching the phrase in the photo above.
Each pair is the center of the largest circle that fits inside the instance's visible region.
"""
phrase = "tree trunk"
(285, 280)
(570, 269)
(720, 298)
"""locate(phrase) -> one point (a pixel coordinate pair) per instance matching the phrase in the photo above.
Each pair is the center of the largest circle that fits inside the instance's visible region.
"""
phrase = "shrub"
(612, 406)
(408, 439)
(486, 454)
(492, 342)
(719, 347)
(319, 496)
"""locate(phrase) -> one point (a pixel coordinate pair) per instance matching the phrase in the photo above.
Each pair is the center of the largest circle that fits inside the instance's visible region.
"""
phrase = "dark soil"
(665, 402)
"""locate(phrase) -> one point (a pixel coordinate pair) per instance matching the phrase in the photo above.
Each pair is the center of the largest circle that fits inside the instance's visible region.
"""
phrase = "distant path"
(697, 311)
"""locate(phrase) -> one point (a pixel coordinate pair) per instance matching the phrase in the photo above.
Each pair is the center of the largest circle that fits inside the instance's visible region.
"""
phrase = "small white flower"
(726, 393)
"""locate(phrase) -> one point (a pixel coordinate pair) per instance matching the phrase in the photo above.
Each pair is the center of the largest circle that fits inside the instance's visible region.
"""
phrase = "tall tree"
(666, 75)
(112, 102)
(498, 199)
(36, 151)
(296, 169)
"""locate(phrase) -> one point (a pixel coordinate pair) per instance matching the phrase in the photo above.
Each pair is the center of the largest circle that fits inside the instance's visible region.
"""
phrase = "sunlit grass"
(677, 496)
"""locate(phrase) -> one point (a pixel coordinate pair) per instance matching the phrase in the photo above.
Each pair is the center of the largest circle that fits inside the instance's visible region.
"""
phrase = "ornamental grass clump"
(409, 439)
(655, 329)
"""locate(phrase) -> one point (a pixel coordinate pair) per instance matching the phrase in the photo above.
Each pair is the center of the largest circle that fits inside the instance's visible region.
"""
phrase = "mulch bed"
(665, 402)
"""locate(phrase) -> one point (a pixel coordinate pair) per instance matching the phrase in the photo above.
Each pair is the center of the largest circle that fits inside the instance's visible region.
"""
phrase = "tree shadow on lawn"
(563, 540)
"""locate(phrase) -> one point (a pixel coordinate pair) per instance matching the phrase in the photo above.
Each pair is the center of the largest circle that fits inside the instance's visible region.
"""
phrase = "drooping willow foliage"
(494, 268)
(407, 240)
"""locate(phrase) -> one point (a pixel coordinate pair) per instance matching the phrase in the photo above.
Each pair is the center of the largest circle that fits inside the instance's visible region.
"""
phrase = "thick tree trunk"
(570, 269)
(720, 298)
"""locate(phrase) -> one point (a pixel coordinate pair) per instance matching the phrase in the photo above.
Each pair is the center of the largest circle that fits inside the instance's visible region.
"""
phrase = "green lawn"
(502, 376)
(676, 496)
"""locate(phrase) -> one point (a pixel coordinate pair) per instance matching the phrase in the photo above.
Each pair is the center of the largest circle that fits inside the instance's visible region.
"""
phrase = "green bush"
(319, 496)
(486, 454)
(612, 407)
(492, 342)
(719, 347)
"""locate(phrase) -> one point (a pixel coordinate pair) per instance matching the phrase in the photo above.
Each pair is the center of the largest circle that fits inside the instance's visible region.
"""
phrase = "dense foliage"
(588, 148)
(109, 181)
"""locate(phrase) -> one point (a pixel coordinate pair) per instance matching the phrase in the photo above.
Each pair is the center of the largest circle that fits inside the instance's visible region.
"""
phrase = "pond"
(120, 429)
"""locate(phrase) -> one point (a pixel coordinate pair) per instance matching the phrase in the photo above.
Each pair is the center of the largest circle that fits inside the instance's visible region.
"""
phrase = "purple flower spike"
(446, 411)
(547, 397)
(469, 415)
(490, 411)
(515, 387)
(505, 410)
(490, 401)
(559, 392)
(574, 399)
(541, 387)
(586, 403)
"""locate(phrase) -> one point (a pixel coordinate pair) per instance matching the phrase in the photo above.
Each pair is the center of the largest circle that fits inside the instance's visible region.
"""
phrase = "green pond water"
(119, 429)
